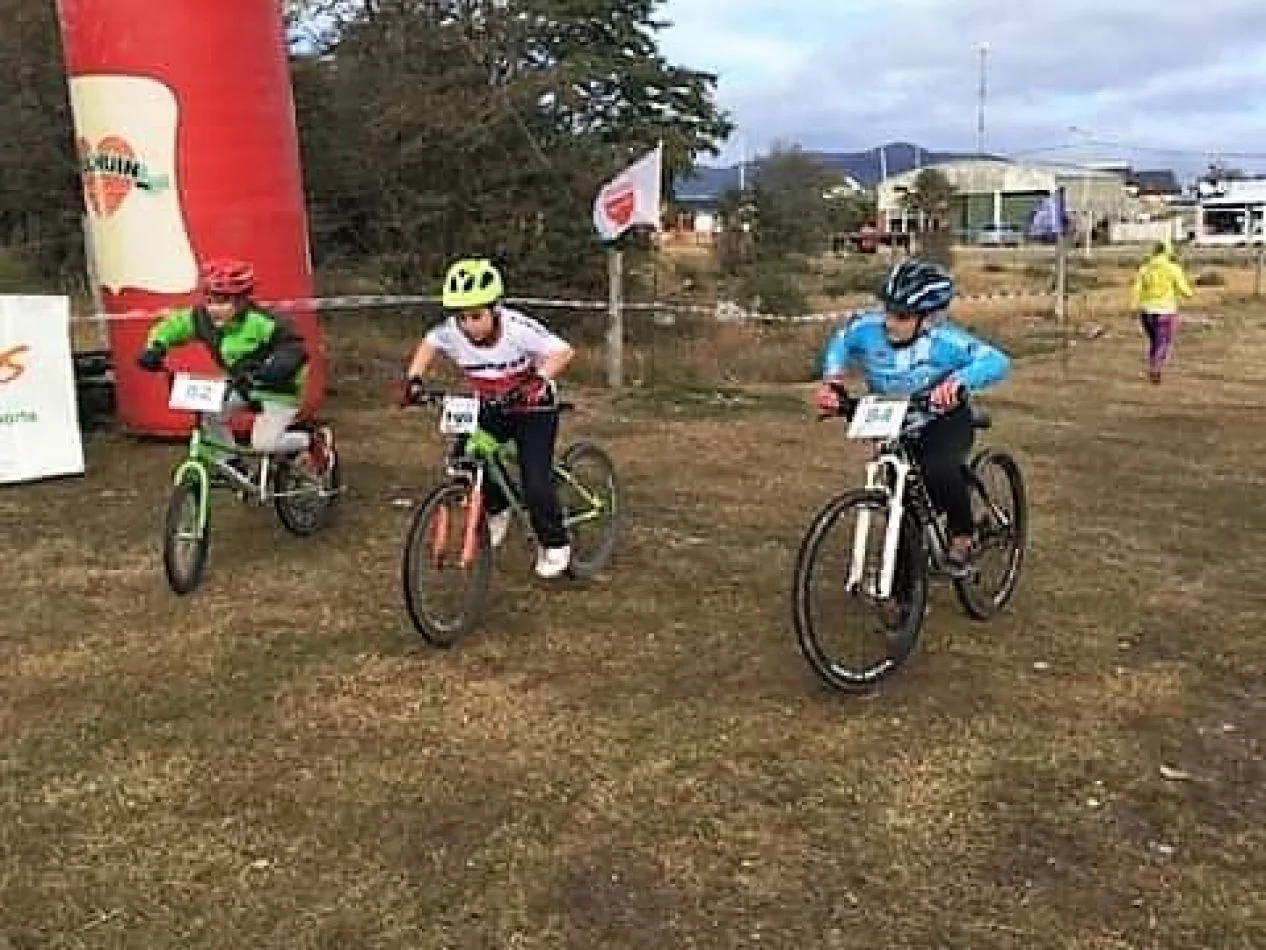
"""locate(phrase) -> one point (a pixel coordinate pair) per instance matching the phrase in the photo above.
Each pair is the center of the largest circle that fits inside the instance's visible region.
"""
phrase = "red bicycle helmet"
(228, 277)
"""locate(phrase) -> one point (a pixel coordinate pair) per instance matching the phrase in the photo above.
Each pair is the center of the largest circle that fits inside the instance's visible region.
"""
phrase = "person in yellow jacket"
(1159, 284)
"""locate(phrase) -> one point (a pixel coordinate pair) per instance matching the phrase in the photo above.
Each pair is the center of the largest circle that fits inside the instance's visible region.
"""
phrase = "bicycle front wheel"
(838, 579)
(1000, 511)
(186, 536)
(447, 564)
(589, 494)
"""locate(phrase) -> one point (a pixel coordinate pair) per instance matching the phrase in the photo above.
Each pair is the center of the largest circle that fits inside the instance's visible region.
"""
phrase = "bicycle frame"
(485, 455)
(492, 454)
(888, 473)
(199, 461)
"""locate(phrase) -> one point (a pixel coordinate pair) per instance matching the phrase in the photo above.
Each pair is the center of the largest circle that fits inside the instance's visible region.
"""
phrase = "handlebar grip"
(847, 404)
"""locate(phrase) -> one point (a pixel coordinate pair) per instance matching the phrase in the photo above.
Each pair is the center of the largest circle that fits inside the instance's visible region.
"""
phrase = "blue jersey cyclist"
(911, 345)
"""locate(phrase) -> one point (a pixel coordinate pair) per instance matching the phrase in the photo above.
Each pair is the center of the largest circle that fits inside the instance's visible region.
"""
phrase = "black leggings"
(534, 435)
(942, 452)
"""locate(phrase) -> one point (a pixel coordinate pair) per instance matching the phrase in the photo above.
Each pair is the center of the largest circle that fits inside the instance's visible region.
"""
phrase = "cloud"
(1189, 77)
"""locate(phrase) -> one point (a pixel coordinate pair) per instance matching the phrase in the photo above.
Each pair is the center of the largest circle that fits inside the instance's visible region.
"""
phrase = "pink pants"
(1159, 328)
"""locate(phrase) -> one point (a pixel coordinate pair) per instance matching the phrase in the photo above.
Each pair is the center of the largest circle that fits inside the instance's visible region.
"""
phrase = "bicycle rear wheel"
(186, 536)
(823, 600)
(442, 544)
(1000, 511)
(303, 501)
(589, 494)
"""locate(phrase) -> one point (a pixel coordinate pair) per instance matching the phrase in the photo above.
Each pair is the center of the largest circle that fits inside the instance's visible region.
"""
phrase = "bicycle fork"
(894, 489)
(470, 528)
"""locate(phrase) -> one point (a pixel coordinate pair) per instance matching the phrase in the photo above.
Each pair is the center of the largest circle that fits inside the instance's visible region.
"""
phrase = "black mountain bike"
(891, 540)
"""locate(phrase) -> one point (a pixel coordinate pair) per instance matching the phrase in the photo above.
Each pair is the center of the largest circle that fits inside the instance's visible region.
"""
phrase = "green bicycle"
(448, 536)
(303, 500)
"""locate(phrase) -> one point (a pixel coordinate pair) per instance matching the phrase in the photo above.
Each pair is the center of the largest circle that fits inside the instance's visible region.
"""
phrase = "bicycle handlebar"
(170, 375)
(435, 396)
(920, 400)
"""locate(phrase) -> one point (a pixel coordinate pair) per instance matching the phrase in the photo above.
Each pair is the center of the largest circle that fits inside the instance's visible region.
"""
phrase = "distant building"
(1231, 212)
(1159, 183)
(997, 192)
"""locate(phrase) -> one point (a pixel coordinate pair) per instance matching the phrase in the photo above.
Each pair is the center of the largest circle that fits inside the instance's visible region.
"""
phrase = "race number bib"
(197, 394)
(878, 417)
(460, 415)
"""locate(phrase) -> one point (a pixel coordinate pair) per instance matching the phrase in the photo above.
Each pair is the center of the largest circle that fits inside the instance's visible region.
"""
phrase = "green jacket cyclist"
(264, 360)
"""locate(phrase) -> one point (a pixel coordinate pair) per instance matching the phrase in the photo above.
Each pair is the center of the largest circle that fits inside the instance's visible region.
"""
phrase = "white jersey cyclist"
(495, 368)
(500, 350)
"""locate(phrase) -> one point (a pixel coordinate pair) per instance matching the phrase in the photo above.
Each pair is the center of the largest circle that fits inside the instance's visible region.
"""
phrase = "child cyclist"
(263, 358)
(910, 346)
(507, 355)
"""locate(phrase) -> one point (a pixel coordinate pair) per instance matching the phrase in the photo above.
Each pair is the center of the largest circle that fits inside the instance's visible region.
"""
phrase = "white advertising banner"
(39, 416)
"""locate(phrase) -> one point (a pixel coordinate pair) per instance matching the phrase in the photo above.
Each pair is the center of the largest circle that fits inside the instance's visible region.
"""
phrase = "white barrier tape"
(366, 301)
(728, 312)
(347, 302)
(723, 311)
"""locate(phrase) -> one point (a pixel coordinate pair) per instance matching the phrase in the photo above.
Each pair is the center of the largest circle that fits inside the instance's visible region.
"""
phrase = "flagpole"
(615, 317)
(657, 242)
(645, 202)
(1061, 273)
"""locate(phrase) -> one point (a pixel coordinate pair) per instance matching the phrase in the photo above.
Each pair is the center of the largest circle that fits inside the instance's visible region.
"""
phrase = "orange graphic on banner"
(11, 364)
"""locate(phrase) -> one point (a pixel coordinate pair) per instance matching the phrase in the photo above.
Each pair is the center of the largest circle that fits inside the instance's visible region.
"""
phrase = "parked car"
(1000, 235)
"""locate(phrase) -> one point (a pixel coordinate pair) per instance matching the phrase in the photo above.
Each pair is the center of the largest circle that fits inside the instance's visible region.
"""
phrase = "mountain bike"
(303, 500)
(448, 534)
(898, 540)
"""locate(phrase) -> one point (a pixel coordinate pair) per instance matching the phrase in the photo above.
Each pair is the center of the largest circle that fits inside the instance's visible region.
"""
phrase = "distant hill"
(707, 182)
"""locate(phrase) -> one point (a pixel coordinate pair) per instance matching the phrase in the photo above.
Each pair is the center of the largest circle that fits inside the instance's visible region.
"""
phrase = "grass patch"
(707, 402)
(644, 761)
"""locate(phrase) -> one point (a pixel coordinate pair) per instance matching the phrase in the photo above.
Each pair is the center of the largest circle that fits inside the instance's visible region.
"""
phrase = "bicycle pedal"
(957, 573)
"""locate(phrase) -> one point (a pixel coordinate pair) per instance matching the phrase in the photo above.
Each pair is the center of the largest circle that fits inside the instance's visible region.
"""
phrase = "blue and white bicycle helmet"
(916, 286)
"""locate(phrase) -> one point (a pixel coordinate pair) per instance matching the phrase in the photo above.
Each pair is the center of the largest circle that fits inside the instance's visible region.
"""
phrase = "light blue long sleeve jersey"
(942, 350)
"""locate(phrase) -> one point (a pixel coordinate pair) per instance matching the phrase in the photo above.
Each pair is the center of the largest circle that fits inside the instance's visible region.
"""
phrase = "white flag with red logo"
(632, 198)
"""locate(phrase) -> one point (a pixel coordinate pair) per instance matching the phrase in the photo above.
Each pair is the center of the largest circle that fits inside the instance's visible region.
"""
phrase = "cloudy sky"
(848, 74)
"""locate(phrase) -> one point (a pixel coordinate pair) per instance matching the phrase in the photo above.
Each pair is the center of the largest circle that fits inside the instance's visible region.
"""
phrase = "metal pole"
(1087, 216)
(1061, 262)
(980, 109)
(1261, 265)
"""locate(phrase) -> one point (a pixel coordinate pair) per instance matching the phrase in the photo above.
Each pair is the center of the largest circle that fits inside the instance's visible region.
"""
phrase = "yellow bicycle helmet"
(472, 283)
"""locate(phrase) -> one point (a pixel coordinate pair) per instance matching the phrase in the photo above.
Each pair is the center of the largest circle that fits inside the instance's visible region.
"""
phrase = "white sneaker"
(551, 562)
(498, 527)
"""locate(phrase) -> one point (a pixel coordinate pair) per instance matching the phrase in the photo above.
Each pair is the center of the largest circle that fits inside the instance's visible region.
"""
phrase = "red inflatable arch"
(185, 124)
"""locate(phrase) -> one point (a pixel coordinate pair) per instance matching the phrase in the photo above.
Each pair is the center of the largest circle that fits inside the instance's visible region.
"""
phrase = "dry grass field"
(645, 761)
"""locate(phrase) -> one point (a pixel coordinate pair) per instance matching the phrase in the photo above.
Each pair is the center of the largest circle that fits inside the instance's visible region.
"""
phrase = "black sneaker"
(958, 563)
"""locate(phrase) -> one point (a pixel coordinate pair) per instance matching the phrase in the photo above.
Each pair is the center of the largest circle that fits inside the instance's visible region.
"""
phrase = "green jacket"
(255, 341)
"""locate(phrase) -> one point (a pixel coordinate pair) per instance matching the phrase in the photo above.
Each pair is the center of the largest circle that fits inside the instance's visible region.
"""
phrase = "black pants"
(534, 435)
(942, 453)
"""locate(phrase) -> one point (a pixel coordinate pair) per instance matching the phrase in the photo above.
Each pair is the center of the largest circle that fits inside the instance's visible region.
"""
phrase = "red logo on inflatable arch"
(111, 171)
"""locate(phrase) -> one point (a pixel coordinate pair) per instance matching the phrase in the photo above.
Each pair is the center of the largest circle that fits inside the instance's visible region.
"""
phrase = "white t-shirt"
(493, 370)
